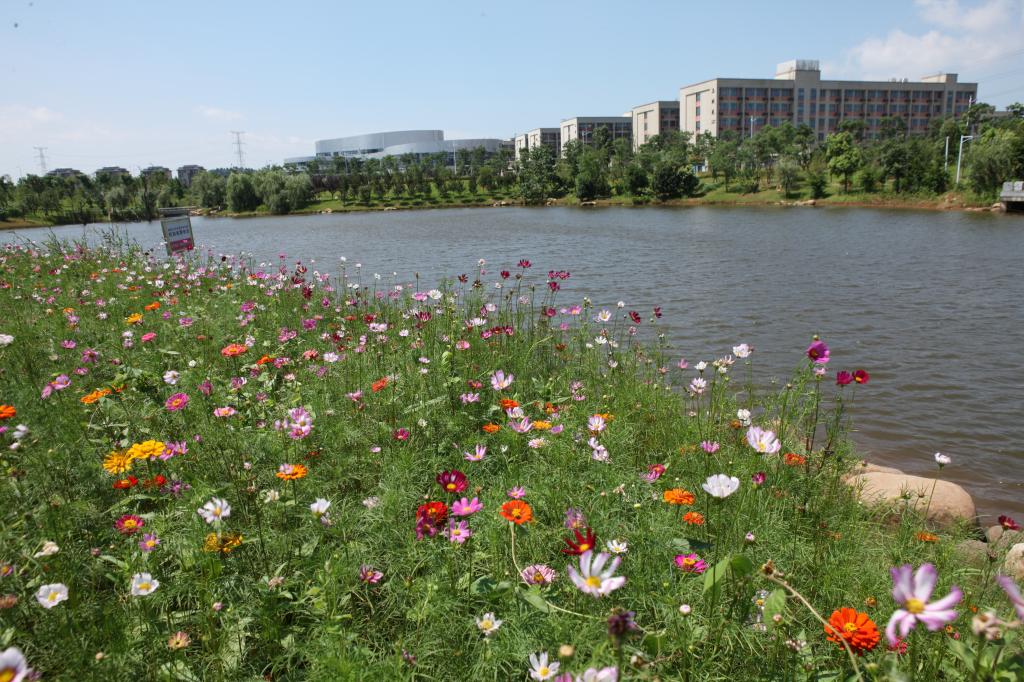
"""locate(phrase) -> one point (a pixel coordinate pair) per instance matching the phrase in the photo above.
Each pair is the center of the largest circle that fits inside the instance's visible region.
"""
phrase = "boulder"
(950, 503)
(973, 552)
(997, 535)
(865, 467)
(1013, 566)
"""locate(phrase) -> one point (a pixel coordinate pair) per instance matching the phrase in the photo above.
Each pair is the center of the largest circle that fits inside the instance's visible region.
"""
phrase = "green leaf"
(176, 671)
(483, 585)
(774, 605)
(655, 643)
(731, 567)
(533, 597)
(961, 651)
(680, 545)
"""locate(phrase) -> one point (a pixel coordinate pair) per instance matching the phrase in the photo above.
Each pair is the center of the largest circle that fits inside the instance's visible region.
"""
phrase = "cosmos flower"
(861, 376)
(721, 485)
(176, 402)
(654, 472)
(843, 378)
(488, 624)
(540, 669)
(912, 590)
(593, 577)
(516, 493)
(1008, 523)
(453, 481)
(144, 584)
(617, 546)
(226, 411)
(319, 507)
(942, 460)
(215, 511)
(429, 518)
(710, 447)
(13, 666)
(818, 352)
(479, 452)
(742, 351)
(369, 575)
(584, 542)
(763, 441)
(466, 507)
(149, 542)
(537, 574)
(50, 595)
(457, 531)
(500, 382)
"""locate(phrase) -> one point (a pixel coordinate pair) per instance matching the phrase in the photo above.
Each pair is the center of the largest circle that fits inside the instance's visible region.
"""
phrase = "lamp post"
(960, 154)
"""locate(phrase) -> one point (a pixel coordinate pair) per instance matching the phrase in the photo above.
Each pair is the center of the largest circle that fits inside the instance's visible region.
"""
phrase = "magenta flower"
(148, 336)
(654, 472)
(691, 563)
(479, 452)
(129, 524)
(521, 426)
(369, 575)
(818, 352)
(401, 434)
(843, 378)
(176, 402)
(457, 531)
(861, 376)
(453, 481)
(537, 574)
(709, 446)
(465, 506)
(149, 542)
(224, 411)
(517, 493)
(758, 478)
(912, 590)
(574, 518)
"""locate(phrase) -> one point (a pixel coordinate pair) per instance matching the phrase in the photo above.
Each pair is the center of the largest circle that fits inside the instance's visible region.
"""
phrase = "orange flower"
(793, 459)
(379, 385)
(925, 536)
(517, 511)
(7, 411)
(855, 627)
(94, 396)
(491, 428)
(292, 472)
(508, 403)
(264, 360)
(694, 518)
(678, 496)
(233, 350)
(155, 305)
(551, 408)
(607, 416)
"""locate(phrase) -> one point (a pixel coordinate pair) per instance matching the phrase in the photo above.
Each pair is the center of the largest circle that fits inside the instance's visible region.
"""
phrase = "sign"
(178, 234)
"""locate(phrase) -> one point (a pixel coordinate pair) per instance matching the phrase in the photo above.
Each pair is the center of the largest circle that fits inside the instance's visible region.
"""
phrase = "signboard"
(178, 234)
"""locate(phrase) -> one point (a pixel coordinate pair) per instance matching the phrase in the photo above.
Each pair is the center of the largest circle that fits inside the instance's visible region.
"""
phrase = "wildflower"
(691, 563)
(861, 376)
(222, 542)
(215, 511)
(488, 624)
(516, 493)
(457, 531)
(271, 496)
(6, 340)
(721, 485)
(818, 352)
(479, 452)
(574, 518)
(758, 478)
(621, 623)
(942, 460)
(465, 507)
(49, 549)
(453, 481)
(369, 575)
(176, 402)
(678, 496)
(750, 538)
(371, 502)
(1008, 523)
(134, 318)
(129, 524)
(843, 378)
(13, 666)
(987, 625)
(379, 385)
(429, 518)
(537, 574)
(50, 595)
(1012, 593)
(468, 398)
(143, 584)
(911, 590)
(491, 428)
(792, 459)
(855, 627)
(710, 447)
(500, 382)
(149, 542)
(593, 578)
(685, 609)
(179, 640)
(291, 472)
(540, 669)
(596, 424)
(517, 511)
(401, 434)
(693, 518)
(117, 462)
(146, 449)
(762, 440)
(522, 426)
(617, 546)
(584, 542)
(233, 350)
(654, 472)
(925, 536)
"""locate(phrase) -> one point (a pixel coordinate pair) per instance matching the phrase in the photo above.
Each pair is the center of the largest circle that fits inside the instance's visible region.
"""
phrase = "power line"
(238, 145)
(42, 158)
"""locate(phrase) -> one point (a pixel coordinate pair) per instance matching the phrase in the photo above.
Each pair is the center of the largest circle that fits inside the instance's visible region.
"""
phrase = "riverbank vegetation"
(223, 470)
(776, 164)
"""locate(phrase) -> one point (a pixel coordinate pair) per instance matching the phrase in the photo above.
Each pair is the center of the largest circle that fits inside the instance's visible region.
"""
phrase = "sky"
(133, 83)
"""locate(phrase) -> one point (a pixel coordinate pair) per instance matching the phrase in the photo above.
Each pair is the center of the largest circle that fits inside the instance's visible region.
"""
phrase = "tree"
(635, 180)
(667, 182)
(241, 194)
(724, 160)
(816, 180)
(208, 190)
(789, 175)
(591, 181)
(895, 158)
(844, 156)
(990, 161)
(536, 175)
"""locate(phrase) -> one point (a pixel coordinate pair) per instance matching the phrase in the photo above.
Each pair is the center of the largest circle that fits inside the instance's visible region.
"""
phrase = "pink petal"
(924, 582)
(954, 596)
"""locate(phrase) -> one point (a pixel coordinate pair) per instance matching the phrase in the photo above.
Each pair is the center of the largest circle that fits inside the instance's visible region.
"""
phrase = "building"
(419, 143)
(798, 95)
(548, 137)
(655, 118)
(64, 173)
(156, 171)
(187, 172)
(581, 129)
(112, 172)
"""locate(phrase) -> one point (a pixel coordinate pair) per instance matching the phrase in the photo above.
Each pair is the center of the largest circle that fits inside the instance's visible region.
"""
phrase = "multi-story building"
(419, 143)
(187, 172)
(798, 95)
(63, 173)
(581, 129)
(113, 172)
(548, 137)
(156, 171)
(656, 118)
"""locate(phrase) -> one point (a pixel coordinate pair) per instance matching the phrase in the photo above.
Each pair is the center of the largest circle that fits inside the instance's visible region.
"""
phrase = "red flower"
(525, 263)
(505, 274)
(379, 385)
(861, 377)
(843, 378)
(125, 483)
(429, 518)
(1007, 523)
(582, 544)
(157, 481)
(657, 312)
(453, 481)
(635, 316)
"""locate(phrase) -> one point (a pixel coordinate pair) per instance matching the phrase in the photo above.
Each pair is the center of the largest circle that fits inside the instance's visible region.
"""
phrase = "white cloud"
(958, 38)
(218, 114)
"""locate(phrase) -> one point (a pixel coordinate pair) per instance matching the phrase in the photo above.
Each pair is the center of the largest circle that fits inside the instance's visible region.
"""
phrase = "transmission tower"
(42, 158)
(238, 146)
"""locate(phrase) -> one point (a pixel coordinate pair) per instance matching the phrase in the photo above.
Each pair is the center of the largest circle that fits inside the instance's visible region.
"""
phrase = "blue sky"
(110, 82)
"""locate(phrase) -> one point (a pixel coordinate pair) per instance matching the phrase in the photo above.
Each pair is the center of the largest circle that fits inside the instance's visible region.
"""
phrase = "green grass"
(293, 607)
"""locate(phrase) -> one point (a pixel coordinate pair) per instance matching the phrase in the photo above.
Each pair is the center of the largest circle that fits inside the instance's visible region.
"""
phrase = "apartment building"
(798, 95)
(548, 137)
(581, 128)
(156, 172)
(187, 172)
(654, 118)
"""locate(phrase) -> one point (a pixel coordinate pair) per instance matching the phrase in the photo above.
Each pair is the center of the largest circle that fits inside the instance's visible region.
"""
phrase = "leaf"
(113, 560)
(176, 671)
(961, 651)
(534, 599)
(680, 545)
(655, 643)
(483, 585)
(741, 566)
(774, 605)
(731, 567)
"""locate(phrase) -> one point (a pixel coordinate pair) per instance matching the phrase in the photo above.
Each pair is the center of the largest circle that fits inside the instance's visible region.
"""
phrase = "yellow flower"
(222, 543)
(146, 449)
(117, 462)
(542, 425)
(134, 318)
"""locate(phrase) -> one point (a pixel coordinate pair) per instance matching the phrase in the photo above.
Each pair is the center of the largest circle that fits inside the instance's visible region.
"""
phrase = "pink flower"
(709, 446)
(517, 493)
(224, 411)
(691, 563)
(912, 590)
(762, 440)
(1013, 593)
(843, 378)
(401, 434)
(457, 531)
(176, 402)
(654, 472)
(818, 352)
(500, 382)
(465, 507)
(477, 455)
(369, 575)
(148, 336)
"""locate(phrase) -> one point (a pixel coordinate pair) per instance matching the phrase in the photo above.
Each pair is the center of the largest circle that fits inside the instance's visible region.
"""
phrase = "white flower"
(604, 316)
(592, 579)
(488, 624)
(540, 669)
(171, 377)
(721, 485)
(271, 496)
(942, 460)
(6, 340)
(13, 666)
(701, 366)
(320, 507)
(371, 502)
(685, 609)
(51, 595)
(20, 431)
(617, 546)
(215, 510)
(49, 549)
(743, 416)
(742, 351)
(763, 440)
(143, 584)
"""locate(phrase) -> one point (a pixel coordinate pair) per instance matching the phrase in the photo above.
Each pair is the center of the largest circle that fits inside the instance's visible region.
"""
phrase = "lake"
(930, 303)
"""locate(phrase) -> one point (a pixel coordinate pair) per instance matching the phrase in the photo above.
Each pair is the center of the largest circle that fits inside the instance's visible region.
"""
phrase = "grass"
(390, 409)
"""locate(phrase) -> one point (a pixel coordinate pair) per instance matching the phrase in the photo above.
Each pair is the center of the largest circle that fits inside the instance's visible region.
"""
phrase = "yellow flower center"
(851, 627)
(915, 606)
(486, 624)
(543, 671)
(584, 546)
(144, 586)
(593, 581)
(52, 596)
(450, 486)
(7, 674)
(538, 577)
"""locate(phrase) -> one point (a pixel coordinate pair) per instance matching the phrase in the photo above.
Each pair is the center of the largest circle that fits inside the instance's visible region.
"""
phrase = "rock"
(588, 203)
(997, 535)
(950, 503)
(1013, 566)
(974, 552)
(865, 467)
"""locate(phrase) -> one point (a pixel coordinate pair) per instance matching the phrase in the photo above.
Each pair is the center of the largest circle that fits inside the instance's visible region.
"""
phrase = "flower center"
(688, 562)
(584, 546)
(593, 581)
(144, 586)
(850, 627)
(52, 596)
(486, 624)
(538, 577)
(450, 486)
(543, 671)
(914, 606)
(7, 674)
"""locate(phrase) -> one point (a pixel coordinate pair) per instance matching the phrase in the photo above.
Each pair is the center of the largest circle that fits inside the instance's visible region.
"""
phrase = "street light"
(959, 156)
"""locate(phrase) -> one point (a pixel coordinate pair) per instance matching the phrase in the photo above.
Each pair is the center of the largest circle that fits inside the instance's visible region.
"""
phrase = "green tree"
(990, 161)
(724, 159)
(208, 190)
(536, 174)
(667, 182)
(241, 194)
(789, 175)
(844, 156)
(635, 180)
(895, 159)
